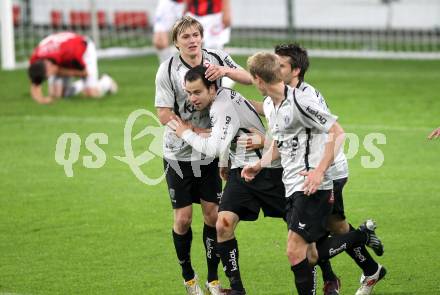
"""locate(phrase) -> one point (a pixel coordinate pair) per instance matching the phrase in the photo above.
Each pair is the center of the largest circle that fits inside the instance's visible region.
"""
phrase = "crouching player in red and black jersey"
(60, 57)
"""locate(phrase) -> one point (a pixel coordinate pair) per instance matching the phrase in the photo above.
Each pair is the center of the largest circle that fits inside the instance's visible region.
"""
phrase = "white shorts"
(167, 13)
(215, 36)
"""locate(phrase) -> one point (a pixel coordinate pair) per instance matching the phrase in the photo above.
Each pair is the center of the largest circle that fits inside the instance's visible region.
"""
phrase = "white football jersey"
(339, 168)
(170, 93)
(300, 126)
(231, 116)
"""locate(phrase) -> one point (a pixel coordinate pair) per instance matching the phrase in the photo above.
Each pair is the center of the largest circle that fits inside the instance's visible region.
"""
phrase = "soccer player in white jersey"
(191, 177)
(231, 116)
(294, 63)
(306, 137)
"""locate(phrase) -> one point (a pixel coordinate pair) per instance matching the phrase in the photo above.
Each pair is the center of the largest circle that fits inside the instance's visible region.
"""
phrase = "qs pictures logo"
(69, 144)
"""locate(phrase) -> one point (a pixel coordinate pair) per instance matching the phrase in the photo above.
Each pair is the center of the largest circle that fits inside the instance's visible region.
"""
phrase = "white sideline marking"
(116, 120)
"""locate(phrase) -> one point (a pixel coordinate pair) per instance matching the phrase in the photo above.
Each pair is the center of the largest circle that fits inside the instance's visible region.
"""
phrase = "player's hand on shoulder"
(214, 72)
(178, 125)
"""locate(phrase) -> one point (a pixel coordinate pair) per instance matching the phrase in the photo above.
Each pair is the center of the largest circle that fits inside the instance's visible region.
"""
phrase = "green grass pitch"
(104, 232)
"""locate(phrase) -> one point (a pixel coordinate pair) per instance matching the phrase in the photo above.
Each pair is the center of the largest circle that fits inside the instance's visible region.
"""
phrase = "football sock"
(75, 88)
(182, 243)
(304, 278)
(104, 84)
(332, 246)
(327, 271)
(228, 251)
(362, 258)
(212, 258)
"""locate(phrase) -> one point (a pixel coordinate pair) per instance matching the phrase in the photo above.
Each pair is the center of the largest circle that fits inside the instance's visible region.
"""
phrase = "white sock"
(104, 84)
(74, 88)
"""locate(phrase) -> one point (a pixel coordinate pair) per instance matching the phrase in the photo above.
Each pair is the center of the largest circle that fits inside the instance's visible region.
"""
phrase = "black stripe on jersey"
(300, 109)
(216, 57)
(210, 9)
(176, 105)
(306, 156)
(253, 110)
(186, 64)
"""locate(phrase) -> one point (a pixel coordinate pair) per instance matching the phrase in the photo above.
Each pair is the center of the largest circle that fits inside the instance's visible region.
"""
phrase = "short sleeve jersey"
(170, 93)
(231, 116)
(65, 49)
(339, 168)
(300, 126)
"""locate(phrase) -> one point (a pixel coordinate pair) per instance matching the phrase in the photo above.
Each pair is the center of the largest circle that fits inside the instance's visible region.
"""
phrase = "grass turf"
(104, 232)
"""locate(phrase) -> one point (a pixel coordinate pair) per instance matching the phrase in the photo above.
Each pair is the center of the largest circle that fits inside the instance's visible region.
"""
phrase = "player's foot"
(332, 287)
(368, 283)
(215, 288)
(193, 287)
(113, 85)
(373, 240)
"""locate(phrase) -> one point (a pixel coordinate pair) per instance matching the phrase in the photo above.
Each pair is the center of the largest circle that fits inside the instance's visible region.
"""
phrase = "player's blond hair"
(184, 23)
(266, 66)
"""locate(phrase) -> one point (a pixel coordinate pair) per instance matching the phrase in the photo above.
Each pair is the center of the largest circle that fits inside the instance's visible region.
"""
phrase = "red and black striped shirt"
(204, 7)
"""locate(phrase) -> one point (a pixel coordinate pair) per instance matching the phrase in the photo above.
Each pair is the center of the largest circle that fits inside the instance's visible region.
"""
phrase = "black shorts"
(245, 199)
(307, 215)
(189, 187)
(338, 206)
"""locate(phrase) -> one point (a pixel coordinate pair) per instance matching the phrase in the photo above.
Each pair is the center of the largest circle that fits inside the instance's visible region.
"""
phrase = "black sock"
(327, 271)
(182, 243)
(304, 278)
(228, 251)
(362, 258)
(212, 258)
(332, 246)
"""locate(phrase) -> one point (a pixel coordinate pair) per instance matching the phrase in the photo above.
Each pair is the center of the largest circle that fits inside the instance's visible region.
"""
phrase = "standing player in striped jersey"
(215, 17)
(166, 14)
(60, 57)
(191, 177)
(306, 137)
(231, 116)
(294, 63)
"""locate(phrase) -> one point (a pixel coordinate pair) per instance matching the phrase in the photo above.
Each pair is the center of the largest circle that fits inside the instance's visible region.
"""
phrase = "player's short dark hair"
(37, 72)
(298, 57)
(197, 73)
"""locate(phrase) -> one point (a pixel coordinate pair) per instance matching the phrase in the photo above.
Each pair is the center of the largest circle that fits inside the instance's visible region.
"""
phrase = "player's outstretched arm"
(165, 115)
(336, 137)
(38, 96)
(435, 133)
(215, 72)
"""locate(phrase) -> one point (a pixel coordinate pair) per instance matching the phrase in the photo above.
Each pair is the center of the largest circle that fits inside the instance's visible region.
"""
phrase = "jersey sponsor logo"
(317, 115)
(188, 107)
(290, 145)
(226, 127)
(229, 62)
(233, 259)
(333, 252)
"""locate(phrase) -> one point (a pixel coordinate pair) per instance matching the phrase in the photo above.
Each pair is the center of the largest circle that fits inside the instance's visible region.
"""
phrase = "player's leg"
(237, 203)
(338, 225)
(180, 188)
(166, 14)
(93, 86)
(306, 218)
(209, 189)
